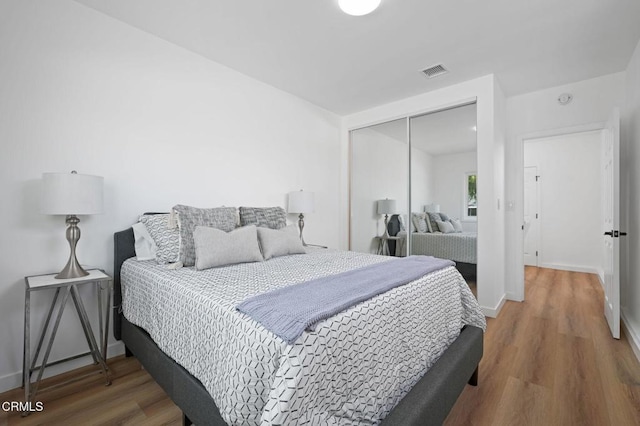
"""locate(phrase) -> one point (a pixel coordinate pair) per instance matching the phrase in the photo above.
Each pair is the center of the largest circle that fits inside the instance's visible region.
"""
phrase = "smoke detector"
(435, 71)
(565, 98)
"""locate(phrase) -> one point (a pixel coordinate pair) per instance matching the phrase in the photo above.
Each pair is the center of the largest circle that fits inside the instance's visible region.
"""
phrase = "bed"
(461, 247)
(427, 400)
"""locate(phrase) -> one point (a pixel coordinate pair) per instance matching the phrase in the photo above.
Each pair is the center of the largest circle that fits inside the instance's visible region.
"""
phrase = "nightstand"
(63, 289)
(383, 244)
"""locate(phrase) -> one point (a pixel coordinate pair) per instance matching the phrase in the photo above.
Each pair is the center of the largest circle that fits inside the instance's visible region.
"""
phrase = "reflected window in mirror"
(470, 196)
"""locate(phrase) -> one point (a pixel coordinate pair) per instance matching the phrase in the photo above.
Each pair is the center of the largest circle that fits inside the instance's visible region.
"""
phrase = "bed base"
(428, 402)
(467, 270)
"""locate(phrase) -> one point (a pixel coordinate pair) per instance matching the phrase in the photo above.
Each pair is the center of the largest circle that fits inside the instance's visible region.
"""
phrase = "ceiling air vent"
(435, 71)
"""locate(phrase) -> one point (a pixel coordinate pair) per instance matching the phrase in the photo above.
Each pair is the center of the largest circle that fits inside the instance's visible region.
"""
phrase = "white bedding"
(458, 246)
(353, 368)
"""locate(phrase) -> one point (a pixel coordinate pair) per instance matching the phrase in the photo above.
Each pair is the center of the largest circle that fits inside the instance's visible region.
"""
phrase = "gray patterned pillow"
(444, 217)
(167, 240)
(223, 218)
(419, 222)
(266, 217)
(433, 218)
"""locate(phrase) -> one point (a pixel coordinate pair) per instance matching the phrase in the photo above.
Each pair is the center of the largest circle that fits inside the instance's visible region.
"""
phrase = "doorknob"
(609, 233)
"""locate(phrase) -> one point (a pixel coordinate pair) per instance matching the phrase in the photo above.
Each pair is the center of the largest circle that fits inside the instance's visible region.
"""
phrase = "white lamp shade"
(71, 194)
(432, 208)
(358, 7)
(386, 206)
(301, 202)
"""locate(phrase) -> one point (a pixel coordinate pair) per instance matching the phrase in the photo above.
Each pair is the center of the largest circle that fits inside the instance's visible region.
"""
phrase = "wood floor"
(552, 361)
(547, 361)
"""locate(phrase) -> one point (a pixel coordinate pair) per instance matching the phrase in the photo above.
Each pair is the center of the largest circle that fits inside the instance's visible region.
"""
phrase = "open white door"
(531, 222)
(611, 214)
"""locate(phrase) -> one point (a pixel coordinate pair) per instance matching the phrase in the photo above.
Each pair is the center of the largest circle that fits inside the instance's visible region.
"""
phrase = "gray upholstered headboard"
(124, 248)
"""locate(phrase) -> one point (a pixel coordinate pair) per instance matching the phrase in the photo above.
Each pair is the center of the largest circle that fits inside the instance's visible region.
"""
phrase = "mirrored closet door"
(443, 186)
(379, 187)
(413, 187)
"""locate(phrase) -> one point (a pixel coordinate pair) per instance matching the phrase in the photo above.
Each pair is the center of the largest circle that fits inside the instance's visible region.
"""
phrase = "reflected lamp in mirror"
(301, 202)
(71, 195)
(386, 207)
(432, 208)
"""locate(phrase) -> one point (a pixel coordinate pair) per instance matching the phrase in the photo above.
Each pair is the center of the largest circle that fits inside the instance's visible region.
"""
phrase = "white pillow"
(457, 225)
(215, 247)
(280, 242)
(401, 220)
(445, 227)
(143, 243)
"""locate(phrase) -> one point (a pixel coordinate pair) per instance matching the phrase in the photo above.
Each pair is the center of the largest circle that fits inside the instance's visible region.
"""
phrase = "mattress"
(353, 368)
(459, 246)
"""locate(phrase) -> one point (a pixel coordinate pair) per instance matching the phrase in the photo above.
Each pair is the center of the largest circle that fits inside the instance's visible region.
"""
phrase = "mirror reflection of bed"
(430, 173)
(443, 183)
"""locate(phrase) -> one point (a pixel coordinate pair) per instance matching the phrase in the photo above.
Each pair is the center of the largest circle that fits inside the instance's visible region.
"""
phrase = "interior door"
(531, 222)
(611, 214)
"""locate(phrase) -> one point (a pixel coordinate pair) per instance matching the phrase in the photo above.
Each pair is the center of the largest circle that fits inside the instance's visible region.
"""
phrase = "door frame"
(518, 289)
(536, 232)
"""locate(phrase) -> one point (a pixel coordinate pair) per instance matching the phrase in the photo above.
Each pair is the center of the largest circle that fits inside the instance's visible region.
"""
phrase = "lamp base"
(72, 269)
(301, 226)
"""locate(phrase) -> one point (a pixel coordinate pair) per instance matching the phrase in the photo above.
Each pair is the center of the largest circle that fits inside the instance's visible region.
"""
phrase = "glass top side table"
(63, 289)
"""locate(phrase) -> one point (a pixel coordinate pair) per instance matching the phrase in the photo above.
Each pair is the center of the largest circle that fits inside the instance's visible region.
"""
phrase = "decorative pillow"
(280, 242)
(434, 218)
(402, 225)
(445, 227)
(267, 217)
(167, 239)
(144, 245)
(214, 247)
(457, 225)
(444, 217)
(419, 222)
(223, 218)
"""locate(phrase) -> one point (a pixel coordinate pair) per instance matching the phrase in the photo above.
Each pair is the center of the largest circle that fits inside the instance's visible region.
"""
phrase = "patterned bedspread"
(459, 247)
(353, 368)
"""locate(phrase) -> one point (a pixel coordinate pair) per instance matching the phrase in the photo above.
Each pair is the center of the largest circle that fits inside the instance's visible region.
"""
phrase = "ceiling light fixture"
(358, 7)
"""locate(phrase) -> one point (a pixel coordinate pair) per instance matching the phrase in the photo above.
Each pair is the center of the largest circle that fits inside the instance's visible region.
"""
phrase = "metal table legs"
(98, 354)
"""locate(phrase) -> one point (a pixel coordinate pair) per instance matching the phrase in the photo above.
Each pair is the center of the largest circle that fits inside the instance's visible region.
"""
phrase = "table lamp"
(386, 207)
(301, 202)
(71, 195)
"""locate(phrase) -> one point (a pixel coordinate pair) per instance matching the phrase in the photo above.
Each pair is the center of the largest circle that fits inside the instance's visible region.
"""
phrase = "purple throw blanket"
(288, 311)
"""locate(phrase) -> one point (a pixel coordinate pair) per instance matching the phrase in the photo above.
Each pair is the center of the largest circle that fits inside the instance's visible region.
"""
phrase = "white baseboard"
(514, 297)
(493, 312)
(632, 335)
(572, 268)
(14, 380)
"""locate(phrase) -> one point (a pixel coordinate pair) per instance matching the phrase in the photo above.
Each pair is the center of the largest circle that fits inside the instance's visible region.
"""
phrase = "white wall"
(570, 203)
(538, 114)
(422, 180)
(162, 125)
(379, 165)
(450, 178)
(630, 199)
(490, 111)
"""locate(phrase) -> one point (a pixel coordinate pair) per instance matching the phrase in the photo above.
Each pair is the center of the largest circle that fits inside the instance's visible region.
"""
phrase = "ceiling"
(451, 131)
(347, 64)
